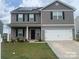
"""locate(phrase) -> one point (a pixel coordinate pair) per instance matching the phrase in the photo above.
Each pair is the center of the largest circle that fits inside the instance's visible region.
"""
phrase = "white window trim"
(31, 15)
(57, 14)
(57, 10)
(58, 25)
(20, 17)
(19, 31)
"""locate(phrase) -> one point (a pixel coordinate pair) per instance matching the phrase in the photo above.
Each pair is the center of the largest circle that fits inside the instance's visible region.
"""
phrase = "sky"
(6, 6)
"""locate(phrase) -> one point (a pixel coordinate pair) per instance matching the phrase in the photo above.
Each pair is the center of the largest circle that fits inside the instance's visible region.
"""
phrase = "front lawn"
(27, 51)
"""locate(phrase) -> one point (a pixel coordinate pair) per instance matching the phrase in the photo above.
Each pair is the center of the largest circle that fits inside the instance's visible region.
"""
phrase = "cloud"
(5, 12)
(32, 3)
(6, 29)
(75, 3)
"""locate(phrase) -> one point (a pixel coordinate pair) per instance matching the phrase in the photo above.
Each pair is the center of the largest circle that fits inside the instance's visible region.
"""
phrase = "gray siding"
(42, 34)
(13, 18)
(38, 19)
(68, 15)
(13, 33)
(73, 33)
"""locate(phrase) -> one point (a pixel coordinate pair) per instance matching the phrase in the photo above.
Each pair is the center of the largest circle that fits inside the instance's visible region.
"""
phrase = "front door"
(32, 34)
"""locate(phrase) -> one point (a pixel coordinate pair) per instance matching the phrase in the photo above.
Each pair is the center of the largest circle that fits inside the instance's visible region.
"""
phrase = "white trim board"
(57, 25)
(57, 10)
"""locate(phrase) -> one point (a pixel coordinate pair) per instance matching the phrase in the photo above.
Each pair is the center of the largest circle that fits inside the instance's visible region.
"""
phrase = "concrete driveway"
(65, 49)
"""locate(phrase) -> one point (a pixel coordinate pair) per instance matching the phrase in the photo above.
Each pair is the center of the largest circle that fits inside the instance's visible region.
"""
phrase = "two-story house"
(52, 22)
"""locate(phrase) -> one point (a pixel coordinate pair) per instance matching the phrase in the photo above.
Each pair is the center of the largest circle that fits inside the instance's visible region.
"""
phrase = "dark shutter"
(63, 16)
(34, 17)
(51, 15)
(23, 32)
(23, 17)
(16, 17)
(27, 17)
(16, 32)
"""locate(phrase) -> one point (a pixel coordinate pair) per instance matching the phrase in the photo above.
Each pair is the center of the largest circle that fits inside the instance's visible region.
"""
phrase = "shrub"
(13, 40)
(77, 37)
(40, 40)
(20, 40)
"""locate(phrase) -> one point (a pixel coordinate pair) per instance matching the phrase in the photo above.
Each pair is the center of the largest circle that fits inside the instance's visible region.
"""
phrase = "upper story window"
(20, 17)
(57, 15)
(31, 16)
(26, 17)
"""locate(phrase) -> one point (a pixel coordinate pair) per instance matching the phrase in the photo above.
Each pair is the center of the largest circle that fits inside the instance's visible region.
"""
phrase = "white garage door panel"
(58, 35)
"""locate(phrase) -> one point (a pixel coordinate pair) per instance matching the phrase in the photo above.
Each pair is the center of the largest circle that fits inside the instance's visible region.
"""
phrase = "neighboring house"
(6, 32)
(53, 22)
(5, 37)
(77, 25)
(1, 28)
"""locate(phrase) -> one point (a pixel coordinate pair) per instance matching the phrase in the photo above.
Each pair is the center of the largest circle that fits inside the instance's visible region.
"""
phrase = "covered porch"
(26, 33)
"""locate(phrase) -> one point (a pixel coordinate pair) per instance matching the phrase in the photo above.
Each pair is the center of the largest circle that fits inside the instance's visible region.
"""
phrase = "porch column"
(27, 32)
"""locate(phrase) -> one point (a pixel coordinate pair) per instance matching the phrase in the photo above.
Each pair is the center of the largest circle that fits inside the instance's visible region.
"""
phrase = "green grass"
(27, 51)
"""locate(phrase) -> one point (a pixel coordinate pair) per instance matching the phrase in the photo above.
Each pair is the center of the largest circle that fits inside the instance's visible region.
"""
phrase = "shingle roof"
(27, 9)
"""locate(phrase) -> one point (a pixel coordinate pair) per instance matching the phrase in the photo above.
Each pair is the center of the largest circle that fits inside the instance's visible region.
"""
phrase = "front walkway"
(65, 49)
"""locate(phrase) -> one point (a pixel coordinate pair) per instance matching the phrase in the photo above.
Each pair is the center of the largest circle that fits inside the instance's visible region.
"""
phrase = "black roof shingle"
(27, 9)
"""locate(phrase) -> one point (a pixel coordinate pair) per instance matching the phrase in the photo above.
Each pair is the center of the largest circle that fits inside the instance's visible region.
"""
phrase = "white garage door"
(54, 35)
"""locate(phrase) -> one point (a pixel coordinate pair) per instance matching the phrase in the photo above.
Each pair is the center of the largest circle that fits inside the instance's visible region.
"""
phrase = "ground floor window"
(19, 32)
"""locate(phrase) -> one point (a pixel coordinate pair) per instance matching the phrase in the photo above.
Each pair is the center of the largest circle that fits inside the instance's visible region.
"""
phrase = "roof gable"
(61, 5)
